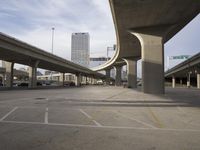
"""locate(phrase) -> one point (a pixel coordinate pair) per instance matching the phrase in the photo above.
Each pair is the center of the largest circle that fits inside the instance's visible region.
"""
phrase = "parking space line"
(90, 117)
(98, 124)
(130, 118)
(86, 114)
(103, 127)
(155, 118)
(46, 116)
(5, 116)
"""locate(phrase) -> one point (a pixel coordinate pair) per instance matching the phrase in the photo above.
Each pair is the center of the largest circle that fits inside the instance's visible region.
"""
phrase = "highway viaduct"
(15, 51)
(187, 72)
(142, 27)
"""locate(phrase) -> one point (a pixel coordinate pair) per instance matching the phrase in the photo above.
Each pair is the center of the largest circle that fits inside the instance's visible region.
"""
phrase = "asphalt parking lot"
(99, 118)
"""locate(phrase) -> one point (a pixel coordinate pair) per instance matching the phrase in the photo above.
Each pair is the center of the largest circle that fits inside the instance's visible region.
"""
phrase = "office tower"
(80, 48)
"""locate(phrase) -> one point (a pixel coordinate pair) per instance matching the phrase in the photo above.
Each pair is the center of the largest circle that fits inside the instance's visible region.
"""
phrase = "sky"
(32, 21)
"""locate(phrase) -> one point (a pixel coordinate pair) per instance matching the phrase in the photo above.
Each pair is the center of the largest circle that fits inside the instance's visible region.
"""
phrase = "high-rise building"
(80, 48)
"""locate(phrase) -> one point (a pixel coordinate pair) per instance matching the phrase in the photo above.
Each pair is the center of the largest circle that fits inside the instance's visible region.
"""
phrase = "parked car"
(23, 84)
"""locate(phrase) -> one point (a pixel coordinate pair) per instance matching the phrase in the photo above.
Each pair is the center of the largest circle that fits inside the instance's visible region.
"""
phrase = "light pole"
(52, 47)
(52, 38)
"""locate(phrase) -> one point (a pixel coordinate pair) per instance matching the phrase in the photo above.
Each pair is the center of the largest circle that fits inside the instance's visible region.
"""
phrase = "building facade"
(80, 48)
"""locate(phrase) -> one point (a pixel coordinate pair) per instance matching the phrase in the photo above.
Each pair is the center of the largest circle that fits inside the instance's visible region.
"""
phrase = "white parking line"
(103, 127)
(90, 117)
(86, 114)
(4, 117)
(46, 116)
(130, 118)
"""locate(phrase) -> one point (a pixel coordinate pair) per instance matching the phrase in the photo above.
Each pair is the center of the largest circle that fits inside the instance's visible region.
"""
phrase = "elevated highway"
(15, 51)
(189, 69)
(142, 27)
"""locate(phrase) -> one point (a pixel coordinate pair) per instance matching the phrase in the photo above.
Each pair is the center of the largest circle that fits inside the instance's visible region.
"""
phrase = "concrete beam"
(131, 73)
(152, 62)
(9, 73)
(118, 80)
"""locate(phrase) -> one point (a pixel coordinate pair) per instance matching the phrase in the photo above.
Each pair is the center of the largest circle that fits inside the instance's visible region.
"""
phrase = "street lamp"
(52, 38)
(52, 48)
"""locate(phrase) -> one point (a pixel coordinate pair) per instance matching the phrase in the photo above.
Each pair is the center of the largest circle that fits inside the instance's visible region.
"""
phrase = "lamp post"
(52, 48)
(52, 38)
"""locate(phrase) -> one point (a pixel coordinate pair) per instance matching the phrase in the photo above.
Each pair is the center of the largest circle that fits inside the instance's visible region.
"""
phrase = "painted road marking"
(4, 117)
(103, 127)
(130, 118)
(90, 117)
(155, 118)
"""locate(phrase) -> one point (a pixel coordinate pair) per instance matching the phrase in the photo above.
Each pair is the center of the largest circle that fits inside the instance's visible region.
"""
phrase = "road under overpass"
(142, 27)
(187, 72)
(15, 51)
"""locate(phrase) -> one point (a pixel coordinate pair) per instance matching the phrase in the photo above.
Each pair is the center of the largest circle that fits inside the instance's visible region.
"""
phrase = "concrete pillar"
(188, 80)
(9, 73)
(92, 80)
(3, 80)
(181, 82)
(198, 80)
(95, 81)
(78, 79)
(33, 75)
(152, 61)
(173, 82)
(107, 76)
(62, 79)
(118, 80)
(89, 80)
(131, 73)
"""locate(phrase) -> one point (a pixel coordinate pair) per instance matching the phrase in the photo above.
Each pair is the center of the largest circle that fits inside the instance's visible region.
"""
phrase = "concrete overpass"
(16, 51)
(142, 27)
(189, 70)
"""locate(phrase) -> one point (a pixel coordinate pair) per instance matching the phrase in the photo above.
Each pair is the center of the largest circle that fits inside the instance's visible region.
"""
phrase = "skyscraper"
(80, 48)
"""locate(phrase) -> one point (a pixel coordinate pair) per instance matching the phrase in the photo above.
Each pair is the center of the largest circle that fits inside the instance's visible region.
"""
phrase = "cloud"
(31, 21)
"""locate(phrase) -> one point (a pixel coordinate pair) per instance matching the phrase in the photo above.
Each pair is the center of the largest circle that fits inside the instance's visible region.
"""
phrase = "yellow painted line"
(156, 119)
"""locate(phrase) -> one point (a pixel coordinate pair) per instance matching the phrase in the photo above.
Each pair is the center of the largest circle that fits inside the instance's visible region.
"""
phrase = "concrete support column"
(173, 82)
(108, 76)
(198, 80)
(131, 73)
(33, 75)
(62, 79)
(78, 79)
(181, 82)
(93, 80)
(118, 80)
(152, 62)
(85, 80)
(188, 80)
(9, 73)
(3, 80)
